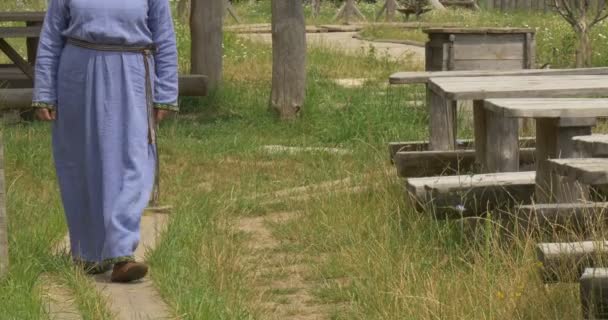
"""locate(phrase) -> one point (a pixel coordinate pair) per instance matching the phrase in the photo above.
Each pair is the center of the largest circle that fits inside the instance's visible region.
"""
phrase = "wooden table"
(30, 31)
(445, 92)
(557, 122)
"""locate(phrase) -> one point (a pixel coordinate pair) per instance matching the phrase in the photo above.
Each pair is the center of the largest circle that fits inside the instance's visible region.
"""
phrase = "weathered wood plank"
(17, 59)
(24, 16)
(21, 98)
(452, 30)
(20, 32)
(478, 88)
(428, 163)
(549, 107)
(571, 217)
(565, 262)
(595, 145)
(501, 153)
(594, 293)
(589, 171)
(424, 77)
(442, 122)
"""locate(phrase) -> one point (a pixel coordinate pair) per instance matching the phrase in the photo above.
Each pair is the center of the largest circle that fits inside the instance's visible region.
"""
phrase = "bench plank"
(424, 77)
(579, 217)
(589, 171)
(595, 145)
(566, 261)
(548, 108)
(594, 293)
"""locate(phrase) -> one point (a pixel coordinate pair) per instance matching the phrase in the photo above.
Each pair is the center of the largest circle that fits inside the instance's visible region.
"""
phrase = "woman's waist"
(111, 47)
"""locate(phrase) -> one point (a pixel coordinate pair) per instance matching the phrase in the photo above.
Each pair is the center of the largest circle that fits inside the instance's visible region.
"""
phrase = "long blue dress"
(104, 161)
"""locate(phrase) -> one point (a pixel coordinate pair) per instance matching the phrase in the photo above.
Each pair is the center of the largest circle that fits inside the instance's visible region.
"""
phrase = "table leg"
(501, 150)
(442, 121)
(554, 140)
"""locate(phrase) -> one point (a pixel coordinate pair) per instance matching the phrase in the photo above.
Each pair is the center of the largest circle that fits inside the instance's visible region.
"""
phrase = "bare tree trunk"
(348, 9)
(316, 7)
(436, 4)
(389, 7)
(584, 54)
(206, 20)
(288, 58)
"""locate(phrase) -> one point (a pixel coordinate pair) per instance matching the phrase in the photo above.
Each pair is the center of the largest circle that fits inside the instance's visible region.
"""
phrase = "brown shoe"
(129, 271)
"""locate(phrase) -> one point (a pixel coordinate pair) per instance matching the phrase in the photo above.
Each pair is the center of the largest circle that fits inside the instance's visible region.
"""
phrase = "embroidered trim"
(43, 105)
(167, 106)
(101, 267)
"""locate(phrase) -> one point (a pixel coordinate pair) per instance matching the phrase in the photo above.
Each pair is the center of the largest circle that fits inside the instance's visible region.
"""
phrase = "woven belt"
(146, 52)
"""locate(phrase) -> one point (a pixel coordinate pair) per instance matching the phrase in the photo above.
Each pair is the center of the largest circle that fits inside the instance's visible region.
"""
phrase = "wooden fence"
(524, 5)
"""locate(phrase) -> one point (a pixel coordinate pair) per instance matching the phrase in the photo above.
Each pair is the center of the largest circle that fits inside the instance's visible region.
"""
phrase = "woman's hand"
(161, 114)
(45, 114)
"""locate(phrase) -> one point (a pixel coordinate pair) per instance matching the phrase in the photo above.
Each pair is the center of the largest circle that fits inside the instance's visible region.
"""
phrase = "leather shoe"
(129, 271)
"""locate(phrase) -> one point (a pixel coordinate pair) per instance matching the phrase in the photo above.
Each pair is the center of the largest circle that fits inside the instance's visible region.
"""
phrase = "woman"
(106, 72)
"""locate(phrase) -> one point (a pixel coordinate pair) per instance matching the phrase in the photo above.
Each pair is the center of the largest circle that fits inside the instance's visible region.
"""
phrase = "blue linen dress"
(104, 161)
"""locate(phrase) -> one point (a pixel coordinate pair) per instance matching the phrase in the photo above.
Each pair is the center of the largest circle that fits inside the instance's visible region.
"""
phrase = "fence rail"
(526, 5)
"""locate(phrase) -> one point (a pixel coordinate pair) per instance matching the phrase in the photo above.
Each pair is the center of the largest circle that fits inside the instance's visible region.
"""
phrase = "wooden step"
(565, 262)
(579, 217)
(432, 163)
(594, 293)
(588, 171)
(595, 145)
(471, 194)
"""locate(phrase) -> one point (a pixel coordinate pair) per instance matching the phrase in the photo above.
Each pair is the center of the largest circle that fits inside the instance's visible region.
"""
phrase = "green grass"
(368, 254)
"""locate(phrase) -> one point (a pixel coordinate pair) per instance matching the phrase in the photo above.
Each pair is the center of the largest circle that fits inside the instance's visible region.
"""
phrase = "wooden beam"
(594, 293)
(20, 32)
(16, 58)
(26, 16)
(565, 262)
(431, 163)
(189, 85)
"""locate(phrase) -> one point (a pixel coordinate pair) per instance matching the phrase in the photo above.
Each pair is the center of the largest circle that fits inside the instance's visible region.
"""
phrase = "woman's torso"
(118, 22)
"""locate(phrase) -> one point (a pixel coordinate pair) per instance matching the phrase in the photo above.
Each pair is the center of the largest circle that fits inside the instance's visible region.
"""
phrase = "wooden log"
(566, 261)
(206, 20)
(189, 85)
(594, 293)
(288, 58)
(4, 259)
(430, 163)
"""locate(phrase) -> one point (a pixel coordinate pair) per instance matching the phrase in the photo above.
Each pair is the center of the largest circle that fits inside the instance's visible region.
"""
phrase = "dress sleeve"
(49, 50)
(163, 35)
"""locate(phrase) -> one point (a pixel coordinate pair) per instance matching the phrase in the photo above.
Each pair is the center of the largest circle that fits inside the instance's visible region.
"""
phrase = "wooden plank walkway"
(58, 300)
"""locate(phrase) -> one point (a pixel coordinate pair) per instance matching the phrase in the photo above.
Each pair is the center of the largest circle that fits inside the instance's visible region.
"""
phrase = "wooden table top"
(554, 86)
(29, 16)
(549, 107)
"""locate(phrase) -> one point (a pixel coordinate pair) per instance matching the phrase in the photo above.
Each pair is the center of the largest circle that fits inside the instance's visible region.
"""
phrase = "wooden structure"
(594, 293)
(479, 49)
(16, 79)
(518, 5)
(3, 217)
(566, 261)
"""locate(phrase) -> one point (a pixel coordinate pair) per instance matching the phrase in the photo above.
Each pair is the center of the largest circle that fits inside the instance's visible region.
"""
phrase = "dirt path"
(345, 41)
(281, 278)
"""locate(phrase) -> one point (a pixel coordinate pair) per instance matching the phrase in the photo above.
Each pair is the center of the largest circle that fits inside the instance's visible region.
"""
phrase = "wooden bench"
(462, 194)
(580, 218)
(594, 293)
(566, 261)
(430, 163)
(595, 145)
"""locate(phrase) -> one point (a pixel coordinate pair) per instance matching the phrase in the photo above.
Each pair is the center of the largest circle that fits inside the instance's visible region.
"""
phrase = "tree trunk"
(288, 58)
(389, 7)
(316, 7)
(584, 52)
(436, 4)
(206, 21)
